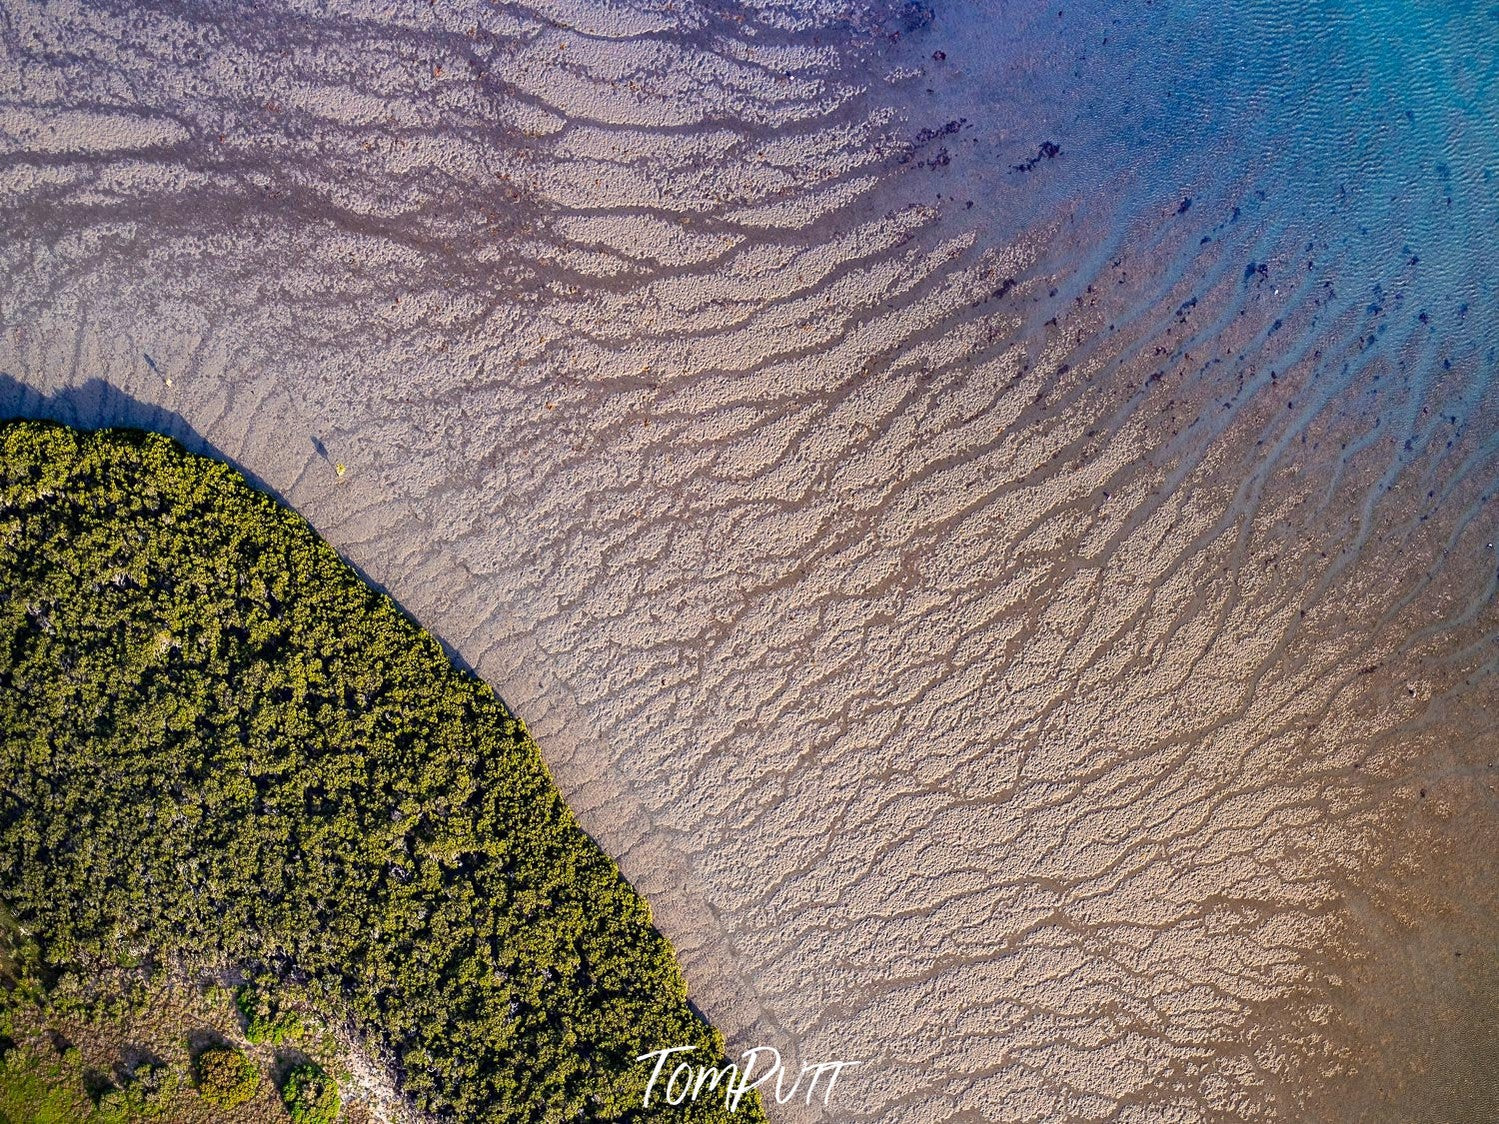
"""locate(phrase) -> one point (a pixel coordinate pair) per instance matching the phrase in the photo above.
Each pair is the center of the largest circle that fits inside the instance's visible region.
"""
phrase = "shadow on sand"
(97, 404)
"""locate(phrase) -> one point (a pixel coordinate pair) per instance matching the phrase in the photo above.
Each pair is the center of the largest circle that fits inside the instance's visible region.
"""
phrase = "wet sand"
(1042, 648)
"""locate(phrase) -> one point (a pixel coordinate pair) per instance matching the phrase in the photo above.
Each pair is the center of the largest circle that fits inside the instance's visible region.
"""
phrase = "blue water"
(1318, 177)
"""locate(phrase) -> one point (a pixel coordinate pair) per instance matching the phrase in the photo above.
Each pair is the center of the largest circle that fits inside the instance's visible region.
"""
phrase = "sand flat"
(1041, 648)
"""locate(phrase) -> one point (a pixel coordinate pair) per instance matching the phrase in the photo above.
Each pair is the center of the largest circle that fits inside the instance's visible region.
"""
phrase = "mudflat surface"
(1041, 648)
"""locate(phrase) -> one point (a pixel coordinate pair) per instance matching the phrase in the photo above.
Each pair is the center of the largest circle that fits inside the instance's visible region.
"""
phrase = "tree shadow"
(133, 1055)
(205, 1038)
(96, 1083)
(286, 1059)
(97, 404)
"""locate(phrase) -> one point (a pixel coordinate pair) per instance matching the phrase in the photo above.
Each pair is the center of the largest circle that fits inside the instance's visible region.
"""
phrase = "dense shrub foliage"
(218, 745)
(310, 1095)
(47, 1090)
(264, 1022)
(225, 1076)
(146, 1090)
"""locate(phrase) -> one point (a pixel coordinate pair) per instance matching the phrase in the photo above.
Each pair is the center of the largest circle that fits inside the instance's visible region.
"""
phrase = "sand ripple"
(1044, 647)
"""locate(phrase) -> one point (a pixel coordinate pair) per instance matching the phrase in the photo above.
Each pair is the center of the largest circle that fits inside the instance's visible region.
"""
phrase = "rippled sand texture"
(1044, 648)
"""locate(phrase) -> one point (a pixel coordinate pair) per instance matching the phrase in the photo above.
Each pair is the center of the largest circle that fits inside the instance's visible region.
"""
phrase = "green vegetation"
(146, 1092)
(220, 750)
(34, 1090)
(226, 1077)
(311, 1096)
(140, 1066)
(265, 1022)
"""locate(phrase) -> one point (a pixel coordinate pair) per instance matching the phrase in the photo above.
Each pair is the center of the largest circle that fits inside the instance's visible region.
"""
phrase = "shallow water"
(1043, 648)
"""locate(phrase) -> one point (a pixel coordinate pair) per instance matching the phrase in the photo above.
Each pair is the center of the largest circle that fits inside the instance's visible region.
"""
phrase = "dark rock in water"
(947, 130)
(1048, 151)
(1186, 205)
(925, 136)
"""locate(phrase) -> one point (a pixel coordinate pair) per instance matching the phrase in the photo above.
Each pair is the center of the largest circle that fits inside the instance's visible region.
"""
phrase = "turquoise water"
(1370, 129)
(1306, 189)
